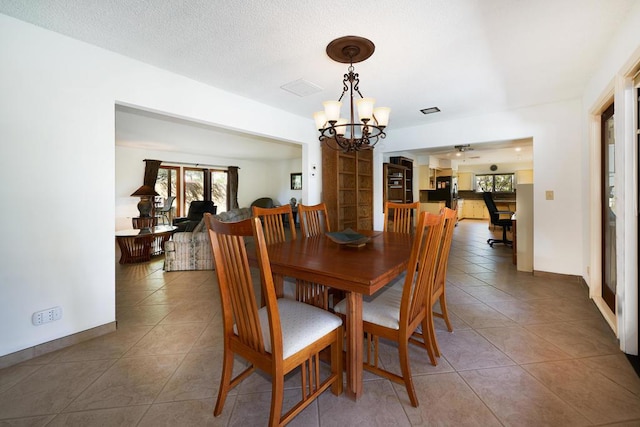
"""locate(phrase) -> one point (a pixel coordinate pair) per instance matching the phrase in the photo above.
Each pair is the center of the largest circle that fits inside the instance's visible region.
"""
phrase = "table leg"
(135, 249)
(354, 345)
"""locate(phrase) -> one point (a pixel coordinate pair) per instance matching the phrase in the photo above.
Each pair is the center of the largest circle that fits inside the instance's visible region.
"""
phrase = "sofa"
(191, 250)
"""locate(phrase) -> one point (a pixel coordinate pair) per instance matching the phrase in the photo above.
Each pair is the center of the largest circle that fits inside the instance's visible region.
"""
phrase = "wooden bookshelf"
(408, 165)
(347, 188)
(395, 184)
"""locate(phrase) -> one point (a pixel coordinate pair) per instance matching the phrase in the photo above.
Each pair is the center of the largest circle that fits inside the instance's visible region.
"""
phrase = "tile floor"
(526, 351)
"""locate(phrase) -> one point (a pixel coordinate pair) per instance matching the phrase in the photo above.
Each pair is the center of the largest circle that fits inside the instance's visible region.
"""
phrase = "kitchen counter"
(497, 197)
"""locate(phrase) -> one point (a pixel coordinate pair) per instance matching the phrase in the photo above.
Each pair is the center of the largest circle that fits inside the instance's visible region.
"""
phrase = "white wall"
(557, 153)
(57, 149)
(611, 77)
(255, 178)
(283, 170)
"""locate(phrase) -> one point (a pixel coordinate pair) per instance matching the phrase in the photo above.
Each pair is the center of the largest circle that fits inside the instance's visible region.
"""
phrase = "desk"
(135, 245)
(358, 271)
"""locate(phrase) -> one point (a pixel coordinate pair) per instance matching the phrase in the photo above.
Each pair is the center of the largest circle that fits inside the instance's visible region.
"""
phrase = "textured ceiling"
(464, 56)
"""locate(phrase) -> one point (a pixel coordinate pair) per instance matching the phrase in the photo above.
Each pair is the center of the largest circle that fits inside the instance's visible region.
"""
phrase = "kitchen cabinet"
(432, 207)
(460, 207)
(524, 176)
(466, 181)
(427, 177)
(475, 209)
(506, 206)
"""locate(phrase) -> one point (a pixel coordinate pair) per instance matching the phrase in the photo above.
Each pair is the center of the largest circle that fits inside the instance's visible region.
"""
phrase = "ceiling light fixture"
(463, 148)
(351, 135)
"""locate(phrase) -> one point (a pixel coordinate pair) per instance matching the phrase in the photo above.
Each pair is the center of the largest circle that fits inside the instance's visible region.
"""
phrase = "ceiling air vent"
(301, 87)
(430, 110)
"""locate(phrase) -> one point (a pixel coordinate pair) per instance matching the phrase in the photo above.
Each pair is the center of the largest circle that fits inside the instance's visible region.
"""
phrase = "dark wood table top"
(362, 270)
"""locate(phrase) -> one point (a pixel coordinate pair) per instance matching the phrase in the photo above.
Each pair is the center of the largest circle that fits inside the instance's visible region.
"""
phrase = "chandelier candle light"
(340, 133)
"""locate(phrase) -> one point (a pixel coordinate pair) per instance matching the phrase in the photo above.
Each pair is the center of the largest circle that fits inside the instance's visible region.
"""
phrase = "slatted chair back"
(314, 219)
(237, 292)
(421, 270)
(398, 217)
(273, 222)
(397, 311)
(427, 335)
(281, 336)
(440, 283)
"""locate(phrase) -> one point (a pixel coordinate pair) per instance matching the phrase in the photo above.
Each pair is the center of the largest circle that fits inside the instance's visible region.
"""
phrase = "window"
(193, 186)
(168, 183)
(496, 183)
(188, 184)
(219, 189)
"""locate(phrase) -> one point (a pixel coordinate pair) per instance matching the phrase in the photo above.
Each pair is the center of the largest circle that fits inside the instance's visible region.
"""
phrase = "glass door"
(167, 185)
(608, 203)
(193, 186)
(219, 189)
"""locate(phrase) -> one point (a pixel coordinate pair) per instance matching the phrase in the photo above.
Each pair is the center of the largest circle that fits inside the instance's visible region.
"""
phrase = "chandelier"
(351, 135)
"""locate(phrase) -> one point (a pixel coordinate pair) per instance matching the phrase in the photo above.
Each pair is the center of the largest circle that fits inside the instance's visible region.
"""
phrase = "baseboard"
(549, 275)
(57, 344)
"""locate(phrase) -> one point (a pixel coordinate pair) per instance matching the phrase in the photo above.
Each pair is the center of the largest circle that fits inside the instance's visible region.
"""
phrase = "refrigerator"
(446, 190)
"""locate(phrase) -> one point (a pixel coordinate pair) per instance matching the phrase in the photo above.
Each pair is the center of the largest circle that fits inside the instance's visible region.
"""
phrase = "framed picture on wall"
(296, 181)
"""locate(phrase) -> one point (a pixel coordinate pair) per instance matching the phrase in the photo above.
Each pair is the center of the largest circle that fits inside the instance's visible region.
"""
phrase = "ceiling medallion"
(344, 134)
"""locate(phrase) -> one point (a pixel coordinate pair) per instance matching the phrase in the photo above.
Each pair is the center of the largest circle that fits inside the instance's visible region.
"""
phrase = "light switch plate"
(549, 194)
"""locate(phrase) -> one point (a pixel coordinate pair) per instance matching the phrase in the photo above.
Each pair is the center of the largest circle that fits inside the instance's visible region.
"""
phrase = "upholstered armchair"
(197, 208)
(263, 202)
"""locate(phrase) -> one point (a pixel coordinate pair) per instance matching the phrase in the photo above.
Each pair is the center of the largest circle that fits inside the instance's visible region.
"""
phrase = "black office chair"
(499, 218)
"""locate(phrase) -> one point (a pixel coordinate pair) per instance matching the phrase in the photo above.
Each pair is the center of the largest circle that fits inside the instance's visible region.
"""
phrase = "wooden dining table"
(356, 270)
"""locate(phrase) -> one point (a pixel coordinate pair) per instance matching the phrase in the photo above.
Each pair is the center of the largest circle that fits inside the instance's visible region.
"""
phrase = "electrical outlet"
(46, 316)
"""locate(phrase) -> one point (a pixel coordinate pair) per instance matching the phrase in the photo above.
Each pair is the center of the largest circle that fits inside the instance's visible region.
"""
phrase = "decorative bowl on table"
(348, 237)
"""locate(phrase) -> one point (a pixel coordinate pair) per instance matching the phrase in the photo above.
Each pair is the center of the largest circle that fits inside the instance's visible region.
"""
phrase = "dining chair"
(440, 284)
(273, 222)
(314, 219)
(438, 293)
(274, 232)
(396, 312)
(398, 217)
(278, 338)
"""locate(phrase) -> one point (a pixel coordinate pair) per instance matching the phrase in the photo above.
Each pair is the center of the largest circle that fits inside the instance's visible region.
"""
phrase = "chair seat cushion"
(302, 325)
(382, 309)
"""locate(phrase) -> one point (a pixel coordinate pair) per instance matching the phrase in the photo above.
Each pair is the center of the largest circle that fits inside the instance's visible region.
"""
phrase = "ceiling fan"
(463, 148)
